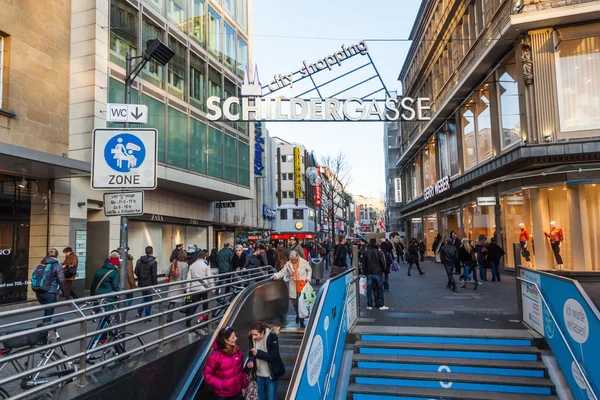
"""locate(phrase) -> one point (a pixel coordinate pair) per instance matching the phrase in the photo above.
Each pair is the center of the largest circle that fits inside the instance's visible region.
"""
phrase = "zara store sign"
(252, 106)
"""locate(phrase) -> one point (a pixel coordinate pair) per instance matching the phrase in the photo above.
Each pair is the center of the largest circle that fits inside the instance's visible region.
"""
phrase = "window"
(176, 66)
(283, 212)
(578, 84)
(176, 10)
(198, 153)
(284, 177)
(452, 146)
(244, 157)
(291, 194)
(241, 14)
(284, 194)
(291, 176)
(158, 5)
(214, 82)
(242, 56)
(468, 130)
(510, 114)
(298, 213)
(443, 150)
(215, 32)
(198, 21)
(197, 81)
(477, 127)
(230, 47)
(230, 91)
(156, 120)
(215, 153)
(124, 31)
(230, 158)
(229, 6)
(177, 139)
(153, 72)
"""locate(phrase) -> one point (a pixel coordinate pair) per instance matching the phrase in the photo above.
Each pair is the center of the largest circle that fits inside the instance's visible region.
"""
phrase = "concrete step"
(444, 332)
(448, 347)
(452, 377)
(537, 365)
(369, 392)
(446, 340)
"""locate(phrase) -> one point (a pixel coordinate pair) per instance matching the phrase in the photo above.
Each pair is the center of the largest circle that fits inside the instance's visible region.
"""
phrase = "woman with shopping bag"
(300, 274)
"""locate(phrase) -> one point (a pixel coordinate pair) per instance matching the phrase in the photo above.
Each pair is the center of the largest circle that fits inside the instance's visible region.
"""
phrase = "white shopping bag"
(306, 301)
(363, 285)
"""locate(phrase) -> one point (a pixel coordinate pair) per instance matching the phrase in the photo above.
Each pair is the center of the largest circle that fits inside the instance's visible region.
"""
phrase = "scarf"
(230, 349)
(299, 283)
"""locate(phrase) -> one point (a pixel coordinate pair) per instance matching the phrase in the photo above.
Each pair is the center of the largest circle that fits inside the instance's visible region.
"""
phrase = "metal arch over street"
(256, 105)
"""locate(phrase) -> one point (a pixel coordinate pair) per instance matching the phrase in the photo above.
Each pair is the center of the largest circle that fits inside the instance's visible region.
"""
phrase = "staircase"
(289, 346)
(449, 363)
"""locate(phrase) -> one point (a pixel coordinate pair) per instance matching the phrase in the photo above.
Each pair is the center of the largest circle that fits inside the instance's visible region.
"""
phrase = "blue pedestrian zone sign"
(124, 158)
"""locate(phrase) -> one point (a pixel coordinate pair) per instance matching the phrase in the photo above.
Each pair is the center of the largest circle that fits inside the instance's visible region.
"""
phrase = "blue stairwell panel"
(446, 340)
(449, 353)
(455, 385)
(533, 373)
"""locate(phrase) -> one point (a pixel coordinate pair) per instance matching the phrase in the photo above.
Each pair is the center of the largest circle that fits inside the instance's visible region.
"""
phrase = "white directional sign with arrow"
(133, 113)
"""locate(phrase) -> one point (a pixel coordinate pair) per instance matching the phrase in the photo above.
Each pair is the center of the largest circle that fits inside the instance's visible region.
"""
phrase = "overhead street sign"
(124, 158)
(124, 203)
(133, 113)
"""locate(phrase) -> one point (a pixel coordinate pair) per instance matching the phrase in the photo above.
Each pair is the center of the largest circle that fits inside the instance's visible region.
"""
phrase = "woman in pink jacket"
(225, 368)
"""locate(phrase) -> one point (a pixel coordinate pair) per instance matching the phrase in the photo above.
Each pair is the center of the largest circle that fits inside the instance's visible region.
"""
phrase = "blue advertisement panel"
(319, 374)
(579, 322)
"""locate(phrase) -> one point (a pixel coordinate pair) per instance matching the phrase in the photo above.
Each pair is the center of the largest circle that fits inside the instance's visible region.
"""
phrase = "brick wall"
(36, 76)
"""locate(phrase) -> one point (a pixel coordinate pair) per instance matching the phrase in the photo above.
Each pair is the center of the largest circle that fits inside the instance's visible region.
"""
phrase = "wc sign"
(124, 158)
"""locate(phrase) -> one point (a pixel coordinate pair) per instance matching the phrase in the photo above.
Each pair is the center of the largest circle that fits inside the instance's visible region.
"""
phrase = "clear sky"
(277, 24)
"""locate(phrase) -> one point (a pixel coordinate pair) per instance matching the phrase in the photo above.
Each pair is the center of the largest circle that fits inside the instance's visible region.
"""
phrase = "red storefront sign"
(318, 189)
(286, 236)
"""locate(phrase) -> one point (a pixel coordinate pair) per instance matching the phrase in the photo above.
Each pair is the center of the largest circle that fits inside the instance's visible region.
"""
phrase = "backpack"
(174, 270)
(41, 278)
(70, 271)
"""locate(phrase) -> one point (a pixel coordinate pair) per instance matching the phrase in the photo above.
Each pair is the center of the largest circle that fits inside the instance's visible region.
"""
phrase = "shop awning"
(29, 163)
(566, 169)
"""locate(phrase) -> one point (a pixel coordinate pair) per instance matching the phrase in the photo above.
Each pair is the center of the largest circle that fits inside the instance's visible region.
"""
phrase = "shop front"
(416, 228)
(431, 231)
(284, 237)
(450, 222)
(223, 234)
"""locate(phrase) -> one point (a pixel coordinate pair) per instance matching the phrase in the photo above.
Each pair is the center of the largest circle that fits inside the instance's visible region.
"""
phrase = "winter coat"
(58, 275)
(178, 290)
(224, 259)
(130, 276)
(304, 271)
(71, 259)
(110, 284)
(276, 367)
(225, 373)
(495, 253)
(298, 249)
(199, 269)
(238, 262)
(146, 271)
(374, 262)
(464, 256)
(481, 251)
(449, 255)
(271, 257)
(340, 253)
(253, 261)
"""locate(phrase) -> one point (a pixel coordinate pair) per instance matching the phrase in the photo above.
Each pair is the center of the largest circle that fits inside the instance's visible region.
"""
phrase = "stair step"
(446, 340)
(444, 332)
(377, 392)
(449, 346)
(449, 361)
(452, 377)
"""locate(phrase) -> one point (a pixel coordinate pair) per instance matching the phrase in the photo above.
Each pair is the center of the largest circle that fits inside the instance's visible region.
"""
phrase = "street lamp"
(161, 53)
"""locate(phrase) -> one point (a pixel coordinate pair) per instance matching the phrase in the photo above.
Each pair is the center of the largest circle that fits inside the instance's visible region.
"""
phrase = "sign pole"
(124, 219)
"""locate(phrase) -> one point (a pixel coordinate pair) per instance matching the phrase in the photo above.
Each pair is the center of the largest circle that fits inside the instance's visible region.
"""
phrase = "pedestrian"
(224, 371)
(130, 284)
(494, 254)
(466, 255)
(300, 273)
(265, 359)
(481, 254)
(239, 258)
(340, 257)
(413, 256)
(225, 265)
(146, 271)
(387, 249)
(374, 264)
(295, 246)
(254, 260)
(456, 242)
(422, 249)
(69, 267)
(106, 279)
(437, 245)
(271, 256)
(46, 279)
(323, 254)
(178, 249)
(449, 256)
(283, 256)
(199, 269)
(212, 259)
(178, 272)
(262, 256)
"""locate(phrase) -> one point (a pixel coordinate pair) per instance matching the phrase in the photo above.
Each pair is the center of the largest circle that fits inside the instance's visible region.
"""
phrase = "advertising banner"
(532, 301)
(297, 173)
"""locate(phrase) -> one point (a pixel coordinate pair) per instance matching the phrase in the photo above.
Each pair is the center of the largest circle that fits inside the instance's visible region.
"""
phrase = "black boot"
(302, 323)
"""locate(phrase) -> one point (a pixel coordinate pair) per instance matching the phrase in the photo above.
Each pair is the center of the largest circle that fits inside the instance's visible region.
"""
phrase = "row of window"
(188, 76)
(187, 143)
(297, 213)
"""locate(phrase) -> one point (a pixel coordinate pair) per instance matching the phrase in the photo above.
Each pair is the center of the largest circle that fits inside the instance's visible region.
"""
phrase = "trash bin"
(317, 269)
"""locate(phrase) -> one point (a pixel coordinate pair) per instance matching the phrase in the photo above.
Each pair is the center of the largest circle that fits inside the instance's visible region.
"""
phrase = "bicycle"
(34, 360)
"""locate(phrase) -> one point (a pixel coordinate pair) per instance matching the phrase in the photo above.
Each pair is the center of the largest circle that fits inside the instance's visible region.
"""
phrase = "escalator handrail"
(195, 378)
(307, 339)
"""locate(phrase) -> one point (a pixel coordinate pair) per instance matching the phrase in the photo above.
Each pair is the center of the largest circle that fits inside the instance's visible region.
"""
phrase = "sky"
(285, 33)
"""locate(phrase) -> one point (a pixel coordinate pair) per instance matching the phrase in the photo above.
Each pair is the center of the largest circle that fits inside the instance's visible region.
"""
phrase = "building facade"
(35, 169)
(514, 136)
(294, 194)
(201, 164)
(393, 187)
(371, 213)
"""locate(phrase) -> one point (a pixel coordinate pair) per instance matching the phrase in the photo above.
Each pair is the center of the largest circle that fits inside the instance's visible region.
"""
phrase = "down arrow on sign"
(138, 113)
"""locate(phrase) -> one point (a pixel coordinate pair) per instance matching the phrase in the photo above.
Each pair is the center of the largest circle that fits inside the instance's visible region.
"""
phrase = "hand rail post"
(161, 322)
(82, 348)
(209, 295)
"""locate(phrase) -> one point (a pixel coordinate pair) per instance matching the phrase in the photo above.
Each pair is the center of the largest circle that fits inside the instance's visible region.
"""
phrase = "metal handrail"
(79, 314)
(562, 335)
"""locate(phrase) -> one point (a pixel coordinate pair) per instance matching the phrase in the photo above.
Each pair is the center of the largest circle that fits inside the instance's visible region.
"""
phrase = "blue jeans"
(47, 298)
(482, 273)
(495, 272)
(147, 298)
(379, 280)
(267, 389)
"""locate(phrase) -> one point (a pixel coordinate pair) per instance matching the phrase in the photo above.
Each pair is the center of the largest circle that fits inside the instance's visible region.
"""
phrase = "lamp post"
(161, 53)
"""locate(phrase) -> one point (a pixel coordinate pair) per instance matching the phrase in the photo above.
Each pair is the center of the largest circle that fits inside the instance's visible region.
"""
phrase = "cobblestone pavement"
(424, 300)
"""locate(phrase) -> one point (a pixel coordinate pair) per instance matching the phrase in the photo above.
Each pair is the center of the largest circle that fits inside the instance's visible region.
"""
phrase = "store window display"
(479, 220)
(523, 241)
(431, 231)
(518, 230)
(556, 238)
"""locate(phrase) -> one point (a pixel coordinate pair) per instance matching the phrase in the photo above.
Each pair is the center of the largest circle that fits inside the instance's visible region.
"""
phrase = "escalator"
(289, 348)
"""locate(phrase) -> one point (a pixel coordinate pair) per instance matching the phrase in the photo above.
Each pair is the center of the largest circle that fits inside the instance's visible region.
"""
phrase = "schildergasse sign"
(124, 158)
(260, 103)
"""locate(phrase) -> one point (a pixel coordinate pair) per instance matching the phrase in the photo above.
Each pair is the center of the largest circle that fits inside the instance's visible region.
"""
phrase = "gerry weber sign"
(255, 107)
(439, 187)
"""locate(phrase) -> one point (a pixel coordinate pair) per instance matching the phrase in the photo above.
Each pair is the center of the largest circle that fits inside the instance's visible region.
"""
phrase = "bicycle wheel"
(127, 345)
(25, 363)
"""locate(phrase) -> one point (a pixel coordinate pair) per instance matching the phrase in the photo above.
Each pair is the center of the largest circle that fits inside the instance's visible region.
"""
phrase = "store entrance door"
(450, 223)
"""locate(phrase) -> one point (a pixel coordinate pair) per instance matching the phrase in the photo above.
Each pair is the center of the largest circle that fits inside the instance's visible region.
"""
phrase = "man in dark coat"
(495, 253)
(456, 243)
(374, 265)
(146, 271)
(449, 256)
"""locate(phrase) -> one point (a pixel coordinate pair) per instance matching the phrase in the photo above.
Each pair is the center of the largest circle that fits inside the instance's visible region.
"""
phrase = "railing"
(43, 361)
(590, 389)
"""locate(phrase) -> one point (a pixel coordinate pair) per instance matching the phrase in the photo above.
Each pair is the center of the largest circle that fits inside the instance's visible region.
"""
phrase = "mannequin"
(523, 239)
(556, 239)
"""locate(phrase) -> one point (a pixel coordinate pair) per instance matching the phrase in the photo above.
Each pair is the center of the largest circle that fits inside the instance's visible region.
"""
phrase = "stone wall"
(536, 5)
(36, 77)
